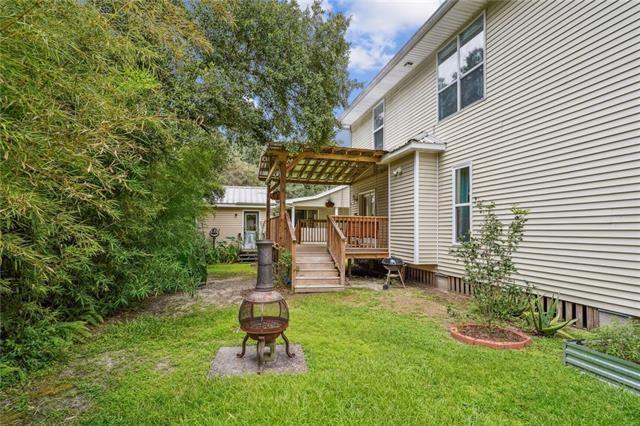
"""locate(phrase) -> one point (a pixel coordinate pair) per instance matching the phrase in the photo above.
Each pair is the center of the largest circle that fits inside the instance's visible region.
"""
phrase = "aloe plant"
(547, 322)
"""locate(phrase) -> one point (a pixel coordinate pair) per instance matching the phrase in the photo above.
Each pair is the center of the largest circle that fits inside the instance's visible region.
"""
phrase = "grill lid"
(392, 261)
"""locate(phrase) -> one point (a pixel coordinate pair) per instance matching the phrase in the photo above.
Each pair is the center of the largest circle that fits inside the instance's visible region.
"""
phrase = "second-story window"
(378, 126)
(461, 70)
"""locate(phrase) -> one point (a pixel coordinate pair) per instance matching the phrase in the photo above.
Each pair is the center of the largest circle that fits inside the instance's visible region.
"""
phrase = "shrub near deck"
(366, 363)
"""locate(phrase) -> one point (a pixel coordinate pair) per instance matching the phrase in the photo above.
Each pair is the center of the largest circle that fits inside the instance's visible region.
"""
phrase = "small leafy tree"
(282, 267)
(488, 264)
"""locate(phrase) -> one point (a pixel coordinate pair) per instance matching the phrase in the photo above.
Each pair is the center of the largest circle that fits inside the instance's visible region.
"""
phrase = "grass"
(229, 270)
(367, 364)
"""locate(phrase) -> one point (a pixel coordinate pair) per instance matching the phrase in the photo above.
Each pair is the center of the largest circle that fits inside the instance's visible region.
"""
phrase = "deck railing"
(311, 231)
(336, 243)
(364, 232)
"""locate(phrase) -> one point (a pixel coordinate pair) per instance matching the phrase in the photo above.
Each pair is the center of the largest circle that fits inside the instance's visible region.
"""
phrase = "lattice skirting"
(419, 276)
(587, 316)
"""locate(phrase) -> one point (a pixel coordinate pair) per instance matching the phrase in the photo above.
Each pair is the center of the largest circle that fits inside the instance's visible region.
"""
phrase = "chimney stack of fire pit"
(264, 314)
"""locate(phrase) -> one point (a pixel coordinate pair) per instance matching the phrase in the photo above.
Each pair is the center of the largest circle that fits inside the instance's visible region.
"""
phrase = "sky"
(377, 31)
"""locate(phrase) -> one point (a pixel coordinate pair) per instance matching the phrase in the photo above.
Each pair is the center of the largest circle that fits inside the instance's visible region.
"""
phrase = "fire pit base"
(227, 363)
(265, 341)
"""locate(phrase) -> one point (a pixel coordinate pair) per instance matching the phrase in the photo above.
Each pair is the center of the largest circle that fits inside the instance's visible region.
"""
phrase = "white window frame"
(456, 167)
(363, 195)
(373, 123)
(459, 76)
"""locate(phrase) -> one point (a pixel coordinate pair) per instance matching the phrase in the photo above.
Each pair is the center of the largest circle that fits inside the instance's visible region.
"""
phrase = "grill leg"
(286, 346)
(400, 275)
(244, 346)
(387, 281)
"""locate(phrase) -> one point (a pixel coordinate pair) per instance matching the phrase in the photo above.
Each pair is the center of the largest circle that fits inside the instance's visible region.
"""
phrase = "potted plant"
(612, 353)
(487, 259)
(329, 204)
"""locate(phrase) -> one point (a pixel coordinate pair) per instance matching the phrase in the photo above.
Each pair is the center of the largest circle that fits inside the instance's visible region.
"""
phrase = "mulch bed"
(489, 333)
(492, 337)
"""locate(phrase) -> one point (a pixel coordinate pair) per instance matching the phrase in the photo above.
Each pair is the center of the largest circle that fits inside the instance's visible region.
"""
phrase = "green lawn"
(229, 270)
(367, 365)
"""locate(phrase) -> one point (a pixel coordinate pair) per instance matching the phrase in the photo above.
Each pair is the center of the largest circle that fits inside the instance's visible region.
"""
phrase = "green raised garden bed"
(613, 369)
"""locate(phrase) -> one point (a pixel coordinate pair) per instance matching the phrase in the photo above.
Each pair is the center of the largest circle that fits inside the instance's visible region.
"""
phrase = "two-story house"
(517, 102)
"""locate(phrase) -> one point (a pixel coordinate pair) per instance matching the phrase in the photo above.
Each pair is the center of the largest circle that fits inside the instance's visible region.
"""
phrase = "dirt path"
(217, 292)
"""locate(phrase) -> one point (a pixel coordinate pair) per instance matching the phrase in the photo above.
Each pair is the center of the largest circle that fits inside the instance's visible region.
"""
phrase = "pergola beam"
(331, 156)
(273, 169)
(329, 166)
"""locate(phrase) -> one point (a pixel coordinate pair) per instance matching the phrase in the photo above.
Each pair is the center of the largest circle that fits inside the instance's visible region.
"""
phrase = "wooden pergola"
(330, 165)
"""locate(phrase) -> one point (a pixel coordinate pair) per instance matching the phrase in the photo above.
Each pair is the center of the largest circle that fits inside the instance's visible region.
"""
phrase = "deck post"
(293, 214)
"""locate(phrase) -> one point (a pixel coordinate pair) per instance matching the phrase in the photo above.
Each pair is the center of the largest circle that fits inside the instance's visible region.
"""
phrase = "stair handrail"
(292, 249)
(292, 230)
(337, 246)
(337, 228)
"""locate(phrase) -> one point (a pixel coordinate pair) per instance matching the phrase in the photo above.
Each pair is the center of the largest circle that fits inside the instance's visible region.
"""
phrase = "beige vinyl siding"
(428, 211)
(558, 133)
(402, 236)
(362, 132)
(228, 220)
(378, 181)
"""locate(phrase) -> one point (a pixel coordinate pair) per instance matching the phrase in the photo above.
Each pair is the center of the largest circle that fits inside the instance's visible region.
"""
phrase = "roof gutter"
(412, 147)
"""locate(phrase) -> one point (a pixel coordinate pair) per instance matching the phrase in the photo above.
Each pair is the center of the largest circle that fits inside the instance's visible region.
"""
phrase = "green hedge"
(100, 184)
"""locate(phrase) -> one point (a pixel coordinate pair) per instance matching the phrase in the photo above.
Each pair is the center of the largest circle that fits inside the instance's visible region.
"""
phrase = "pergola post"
(283, 198)
(268, 223)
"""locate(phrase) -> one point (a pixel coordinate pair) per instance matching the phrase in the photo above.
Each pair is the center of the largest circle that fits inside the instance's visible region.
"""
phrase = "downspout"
(437, 209)
(389, 206)
(416, 208)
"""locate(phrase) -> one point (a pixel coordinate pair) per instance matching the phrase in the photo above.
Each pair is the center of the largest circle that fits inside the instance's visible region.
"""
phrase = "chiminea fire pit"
(264, 314)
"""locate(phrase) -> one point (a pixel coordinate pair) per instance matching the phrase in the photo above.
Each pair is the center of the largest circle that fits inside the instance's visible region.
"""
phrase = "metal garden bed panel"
(613, 369)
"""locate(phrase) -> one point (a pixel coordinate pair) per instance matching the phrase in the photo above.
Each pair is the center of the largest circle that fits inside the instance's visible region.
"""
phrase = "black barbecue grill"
(394, 267)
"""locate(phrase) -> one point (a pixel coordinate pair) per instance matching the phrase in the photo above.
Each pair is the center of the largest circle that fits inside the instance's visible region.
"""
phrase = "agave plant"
(547, 322)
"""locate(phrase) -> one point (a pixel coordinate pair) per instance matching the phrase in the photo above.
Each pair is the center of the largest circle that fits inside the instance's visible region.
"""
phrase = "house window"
(461, 70)
(367, 204)
(303, 214)
(378, 126)
(461, 203)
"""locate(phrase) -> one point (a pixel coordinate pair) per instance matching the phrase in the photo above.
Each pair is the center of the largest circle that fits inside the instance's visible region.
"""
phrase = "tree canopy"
(116, 120)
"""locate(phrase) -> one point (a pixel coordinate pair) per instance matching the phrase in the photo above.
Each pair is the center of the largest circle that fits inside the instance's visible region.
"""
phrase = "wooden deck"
(366, 253)
(323, 247)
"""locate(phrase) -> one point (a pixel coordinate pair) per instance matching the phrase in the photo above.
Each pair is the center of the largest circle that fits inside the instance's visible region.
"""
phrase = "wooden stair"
(315, 270)
(248, 256)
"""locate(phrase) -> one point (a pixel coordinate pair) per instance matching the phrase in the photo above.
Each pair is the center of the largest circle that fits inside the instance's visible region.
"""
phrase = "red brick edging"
(526, 340)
